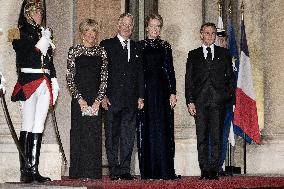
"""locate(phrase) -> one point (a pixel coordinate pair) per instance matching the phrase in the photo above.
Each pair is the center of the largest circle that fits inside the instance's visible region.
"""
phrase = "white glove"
(47, 34)
(2, 83)
(43, 45)
(55, 89)
(45, 41)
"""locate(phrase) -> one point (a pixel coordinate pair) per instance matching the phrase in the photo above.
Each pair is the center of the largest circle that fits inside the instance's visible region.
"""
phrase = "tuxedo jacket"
(126, 78)
(217, 73)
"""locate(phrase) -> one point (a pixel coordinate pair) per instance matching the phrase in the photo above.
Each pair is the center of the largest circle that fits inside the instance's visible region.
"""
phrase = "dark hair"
(208, 24)
(153, 16)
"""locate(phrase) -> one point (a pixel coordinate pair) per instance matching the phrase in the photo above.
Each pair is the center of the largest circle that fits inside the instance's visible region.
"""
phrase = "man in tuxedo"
(124, 96)
(208, 88)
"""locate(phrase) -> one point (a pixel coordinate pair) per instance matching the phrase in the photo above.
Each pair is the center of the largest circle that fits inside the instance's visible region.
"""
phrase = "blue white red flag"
(245, 115)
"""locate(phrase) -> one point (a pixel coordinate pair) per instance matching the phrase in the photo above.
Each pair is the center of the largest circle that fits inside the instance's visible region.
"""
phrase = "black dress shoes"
(114, 177)
(86, 179)
(176, 177)
(127, 176)
(204, 175)
(224, 173)
(213, 175)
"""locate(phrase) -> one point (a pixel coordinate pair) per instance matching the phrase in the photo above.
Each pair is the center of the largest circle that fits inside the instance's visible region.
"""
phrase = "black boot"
(35, 153)
(26, 176)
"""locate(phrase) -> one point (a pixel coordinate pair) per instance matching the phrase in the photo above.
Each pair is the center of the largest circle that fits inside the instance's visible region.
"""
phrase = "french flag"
(245, 115)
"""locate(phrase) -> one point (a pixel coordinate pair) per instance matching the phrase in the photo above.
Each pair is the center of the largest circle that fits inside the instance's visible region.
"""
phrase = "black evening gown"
(85, 75)
(156, 145)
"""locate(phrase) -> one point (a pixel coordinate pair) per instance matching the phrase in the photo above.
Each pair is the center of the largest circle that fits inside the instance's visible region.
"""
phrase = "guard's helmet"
(27, 7)
(32, 5)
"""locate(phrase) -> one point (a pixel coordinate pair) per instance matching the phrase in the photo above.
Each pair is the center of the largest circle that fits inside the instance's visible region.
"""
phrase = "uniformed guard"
(37, 87)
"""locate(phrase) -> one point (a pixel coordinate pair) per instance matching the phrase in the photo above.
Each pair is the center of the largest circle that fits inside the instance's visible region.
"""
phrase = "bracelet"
(96, 100)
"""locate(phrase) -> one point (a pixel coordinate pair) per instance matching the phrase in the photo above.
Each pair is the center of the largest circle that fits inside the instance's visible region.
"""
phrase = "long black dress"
(87, 79)
(156, 132)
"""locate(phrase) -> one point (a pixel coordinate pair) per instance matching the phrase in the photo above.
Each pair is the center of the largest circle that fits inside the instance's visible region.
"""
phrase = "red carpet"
(235, 182)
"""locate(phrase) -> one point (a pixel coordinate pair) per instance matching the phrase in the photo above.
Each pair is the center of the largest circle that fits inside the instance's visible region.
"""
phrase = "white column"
(268, 158)
(182, 21)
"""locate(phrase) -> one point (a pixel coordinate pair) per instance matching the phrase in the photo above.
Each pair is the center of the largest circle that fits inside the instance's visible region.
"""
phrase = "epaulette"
(13, 33)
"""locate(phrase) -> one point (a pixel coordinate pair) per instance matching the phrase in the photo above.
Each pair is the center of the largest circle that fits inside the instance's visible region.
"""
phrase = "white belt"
(31, 70)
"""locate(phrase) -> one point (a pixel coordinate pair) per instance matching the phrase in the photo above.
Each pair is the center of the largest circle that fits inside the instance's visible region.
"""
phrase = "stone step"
(9, 162)
(36, 186)
(5, 135)
(4, 130)
(6, 139)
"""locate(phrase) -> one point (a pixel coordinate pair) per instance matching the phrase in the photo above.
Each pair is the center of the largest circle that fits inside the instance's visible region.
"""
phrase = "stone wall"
(273, 49)
(105, 12)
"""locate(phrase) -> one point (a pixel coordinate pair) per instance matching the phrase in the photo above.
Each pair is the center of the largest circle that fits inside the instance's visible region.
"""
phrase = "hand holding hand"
(83, 104)
(191, 109)
(96, 106)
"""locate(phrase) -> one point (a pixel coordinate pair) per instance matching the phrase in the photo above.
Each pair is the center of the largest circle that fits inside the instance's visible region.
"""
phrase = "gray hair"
(123, 15)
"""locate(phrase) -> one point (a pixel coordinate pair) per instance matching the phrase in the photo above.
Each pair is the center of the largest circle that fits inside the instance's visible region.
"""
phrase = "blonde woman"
(87, 80)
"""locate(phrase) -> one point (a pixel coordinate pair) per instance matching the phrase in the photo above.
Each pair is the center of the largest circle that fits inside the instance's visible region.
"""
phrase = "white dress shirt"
(123, 44)
(205, 51)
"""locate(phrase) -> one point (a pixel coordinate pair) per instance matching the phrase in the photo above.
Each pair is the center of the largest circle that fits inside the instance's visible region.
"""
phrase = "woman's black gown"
(86, 78)
(156, 126)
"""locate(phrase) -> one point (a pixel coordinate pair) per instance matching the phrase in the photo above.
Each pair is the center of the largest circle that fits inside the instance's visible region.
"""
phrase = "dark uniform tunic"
(28, 56)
